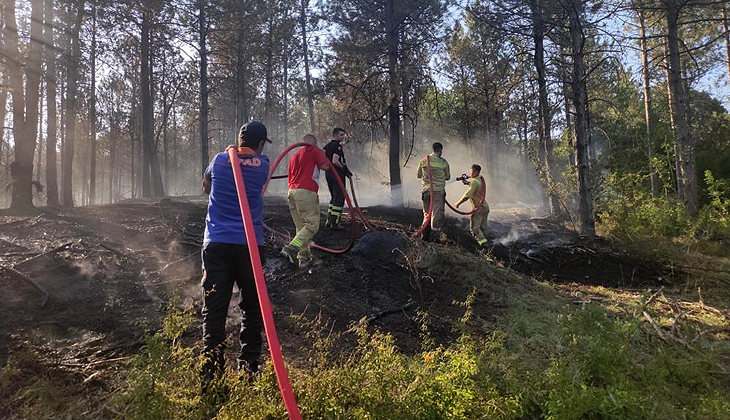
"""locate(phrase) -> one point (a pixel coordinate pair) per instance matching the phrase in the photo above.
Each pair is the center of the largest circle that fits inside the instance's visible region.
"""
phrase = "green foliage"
(714, 219)
(549, 364)
(626, 208)
(607, 370)
(162, 382)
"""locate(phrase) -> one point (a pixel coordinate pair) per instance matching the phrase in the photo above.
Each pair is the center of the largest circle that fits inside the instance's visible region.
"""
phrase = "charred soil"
(81, 287)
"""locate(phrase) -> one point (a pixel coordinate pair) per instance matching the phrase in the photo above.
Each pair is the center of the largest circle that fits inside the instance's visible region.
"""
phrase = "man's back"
(223, 223)
(439, 173)
(332, 148)
(303, 171)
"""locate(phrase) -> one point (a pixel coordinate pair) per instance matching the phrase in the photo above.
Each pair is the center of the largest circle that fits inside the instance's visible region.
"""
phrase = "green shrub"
(627, 209)
(608, 370)
(714, 219)
(597, 366)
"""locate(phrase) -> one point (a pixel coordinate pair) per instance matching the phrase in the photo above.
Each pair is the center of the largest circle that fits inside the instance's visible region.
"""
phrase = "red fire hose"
(427, 220)
(253, 250)
(354, 211)
(481, 203)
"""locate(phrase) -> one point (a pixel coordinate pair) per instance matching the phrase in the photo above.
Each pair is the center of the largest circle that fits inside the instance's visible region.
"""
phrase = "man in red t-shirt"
(304, 168)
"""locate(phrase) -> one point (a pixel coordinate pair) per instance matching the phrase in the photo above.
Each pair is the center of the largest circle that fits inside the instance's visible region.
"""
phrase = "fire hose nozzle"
(463, 178)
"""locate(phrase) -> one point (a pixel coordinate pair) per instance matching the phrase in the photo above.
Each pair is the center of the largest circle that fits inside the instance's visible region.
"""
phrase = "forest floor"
(82, 288)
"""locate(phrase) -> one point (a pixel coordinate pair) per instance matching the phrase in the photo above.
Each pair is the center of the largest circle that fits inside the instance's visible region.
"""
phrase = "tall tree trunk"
(84, 157)
(565, 72)
(145, 100)
(203, 50)
(25, 104)
(72, 73)
(648, 112)
(132, 170)
(465, 100)
(525, 137)
(174, 143)
(684, 138)
(51, 128)
(112, 151)
(4, 82)
(239, 77)
(726, 28)
(581, 133)
(268, 89)
(38, 166)
(164, 146)
(3, 89)
(544, 116)
(62, 118)
(392, 35)
(92, 109)
(151, 176)
(305, 45)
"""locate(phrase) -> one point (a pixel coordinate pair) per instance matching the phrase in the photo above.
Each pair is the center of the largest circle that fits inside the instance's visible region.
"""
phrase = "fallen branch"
(195, 277)
(40, 288)
(651, 299)
(19, 254)
(159, 248)
(383, 313)
(9, 243)
(168, 265)
(98, 362)
(663, 336)
(49, 252)
(108, 248)
(714, 270)
(194, 244)
(710, 331)
(91, 377)
(21, 220)
(656, 327)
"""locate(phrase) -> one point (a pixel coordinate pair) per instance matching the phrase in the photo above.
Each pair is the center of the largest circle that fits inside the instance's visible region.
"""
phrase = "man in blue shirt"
(226, 259)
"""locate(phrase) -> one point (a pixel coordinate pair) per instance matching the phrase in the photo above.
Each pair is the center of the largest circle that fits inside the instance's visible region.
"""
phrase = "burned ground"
(104, 274)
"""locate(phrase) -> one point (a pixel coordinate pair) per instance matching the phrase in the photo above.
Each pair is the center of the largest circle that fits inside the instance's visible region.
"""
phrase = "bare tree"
(92, 108)
(203, 112)
(305, 47)
(151, 175)
(51, 129)
(576, 13)
(25, 104)
(648, 111)
(538, 19)
(72, 75)
(684, 137)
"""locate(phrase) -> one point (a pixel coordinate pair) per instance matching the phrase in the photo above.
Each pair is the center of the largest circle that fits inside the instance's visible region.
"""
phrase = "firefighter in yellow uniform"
(475, 193)
(439, 174)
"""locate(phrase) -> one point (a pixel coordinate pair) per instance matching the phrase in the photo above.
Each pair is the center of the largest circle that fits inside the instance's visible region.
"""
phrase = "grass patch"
(550, 359)
(557, 352)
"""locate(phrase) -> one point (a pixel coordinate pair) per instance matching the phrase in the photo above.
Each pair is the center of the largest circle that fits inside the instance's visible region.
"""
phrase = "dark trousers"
(337, 202)
(224, 265)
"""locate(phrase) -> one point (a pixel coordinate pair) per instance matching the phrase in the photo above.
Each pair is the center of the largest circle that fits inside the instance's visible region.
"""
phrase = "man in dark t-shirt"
(226, 259)
(336, 155)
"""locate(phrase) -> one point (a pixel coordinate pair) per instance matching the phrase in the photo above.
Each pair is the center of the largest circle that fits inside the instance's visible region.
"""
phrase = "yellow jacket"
(439, 173)
(475, 192)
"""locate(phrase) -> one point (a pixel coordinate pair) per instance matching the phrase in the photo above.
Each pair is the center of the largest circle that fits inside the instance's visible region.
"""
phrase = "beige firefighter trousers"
(304, 208)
